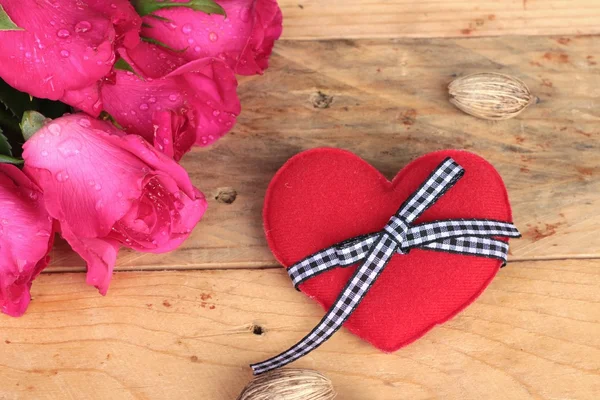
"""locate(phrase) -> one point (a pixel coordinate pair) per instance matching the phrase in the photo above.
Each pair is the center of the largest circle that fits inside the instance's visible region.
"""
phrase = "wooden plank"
(535, 333)
(352, 19)
(389, 105)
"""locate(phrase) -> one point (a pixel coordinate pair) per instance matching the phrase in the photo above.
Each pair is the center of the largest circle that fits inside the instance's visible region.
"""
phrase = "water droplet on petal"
(62, 176)
(213, 37)
(70, 147)
(44, 153)
(187, 29)
(197, 193)
(4, 221)
(144, 106)
(245, 14)
(173, 97)
(83, 27)
(43, 233)
(98, 187)
(216, 113)
(152, 100)
(54, 129)
(197, 49)
(65, 53)
(21, 263)
(63, 33)
(84, 122)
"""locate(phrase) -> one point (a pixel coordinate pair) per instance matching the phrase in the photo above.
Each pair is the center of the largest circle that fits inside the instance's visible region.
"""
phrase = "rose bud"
(26, 237)
(244, 38)
(199, 97)
(108, 189)
(60, 50)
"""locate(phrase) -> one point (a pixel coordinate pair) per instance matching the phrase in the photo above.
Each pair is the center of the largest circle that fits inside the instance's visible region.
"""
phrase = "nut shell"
(490, 95)
(289, 384)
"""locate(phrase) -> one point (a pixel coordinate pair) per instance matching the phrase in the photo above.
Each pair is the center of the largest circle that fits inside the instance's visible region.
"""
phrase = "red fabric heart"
(323, 196)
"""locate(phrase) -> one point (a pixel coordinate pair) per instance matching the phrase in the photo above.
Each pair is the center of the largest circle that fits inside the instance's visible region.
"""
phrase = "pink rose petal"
(26, 236)
(203, 91)
(109, 189)
(244, 39)
(65, 47)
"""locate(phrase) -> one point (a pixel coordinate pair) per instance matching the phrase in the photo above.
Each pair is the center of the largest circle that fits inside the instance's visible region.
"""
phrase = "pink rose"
(244, 40)
(200, 99)
(108, 189)
(65, 47)
(25, 238)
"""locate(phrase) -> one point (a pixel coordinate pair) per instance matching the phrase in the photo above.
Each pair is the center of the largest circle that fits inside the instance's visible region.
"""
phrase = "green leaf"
(123, 65)
(6, 24)
(32, 122)
(163, 19)
(11, 130)
(5, 147)
(8, 122)
(11, 160)
(16, 102)
(52, 109)
(161, 44)
(145, 7)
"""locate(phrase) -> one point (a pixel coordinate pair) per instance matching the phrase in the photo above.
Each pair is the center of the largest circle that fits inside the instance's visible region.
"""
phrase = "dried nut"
(489, 95)
(289, 384)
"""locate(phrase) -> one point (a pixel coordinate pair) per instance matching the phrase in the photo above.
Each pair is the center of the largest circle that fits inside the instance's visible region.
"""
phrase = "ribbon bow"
(464, 236)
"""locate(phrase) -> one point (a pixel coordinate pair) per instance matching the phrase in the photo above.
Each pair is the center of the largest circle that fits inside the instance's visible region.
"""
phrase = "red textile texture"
(323, 196)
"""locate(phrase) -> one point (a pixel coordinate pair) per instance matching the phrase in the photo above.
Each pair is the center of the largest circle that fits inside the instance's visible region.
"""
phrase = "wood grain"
(534, 334)
(314, 19)
(386, 101)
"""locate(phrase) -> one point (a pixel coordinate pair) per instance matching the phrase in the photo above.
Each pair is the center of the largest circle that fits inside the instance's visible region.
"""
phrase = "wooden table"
(368, 76)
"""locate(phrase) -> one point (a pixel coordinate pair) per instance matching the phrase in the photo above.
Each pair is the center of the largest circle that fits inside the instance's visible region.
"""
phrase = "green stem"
(145, 7)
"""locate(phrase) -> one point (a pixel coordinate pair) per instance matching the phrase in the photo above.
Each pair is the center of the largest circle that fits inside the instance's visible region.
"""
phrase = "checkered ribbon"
(464, 236)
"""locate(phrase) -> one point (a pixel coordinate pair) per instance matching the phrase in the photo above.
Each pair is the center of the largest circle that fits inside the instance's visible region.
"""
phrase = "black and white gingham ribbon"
(463, 236)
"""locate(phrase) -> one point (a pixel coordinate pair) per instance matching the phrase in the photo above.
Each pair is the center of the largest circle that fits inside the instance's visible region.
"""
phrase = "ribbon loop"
(397, 229)
(463, 236)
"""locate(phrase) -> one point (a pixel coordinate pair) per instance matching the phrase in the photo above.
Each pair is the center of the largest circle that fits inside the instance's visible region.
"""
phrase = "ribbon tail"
(349, 299)
(472, 245)
(342, 255)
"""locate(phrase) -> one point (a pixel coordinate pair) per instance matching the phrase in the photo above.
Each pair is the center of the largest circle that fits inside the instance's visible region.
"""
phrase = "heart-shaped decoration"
(324, 196)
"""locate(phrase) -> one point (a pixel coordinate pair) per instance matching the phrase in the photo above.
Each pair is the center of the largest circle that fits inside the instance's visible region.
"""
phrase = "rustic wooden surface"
(368, 76)
(315, 19)
(535, 333)
(389, 105)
